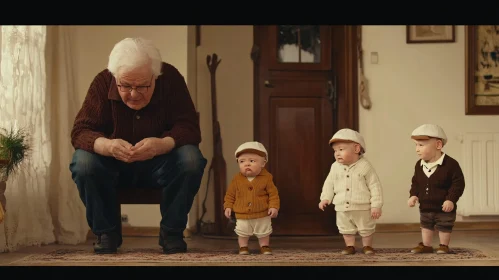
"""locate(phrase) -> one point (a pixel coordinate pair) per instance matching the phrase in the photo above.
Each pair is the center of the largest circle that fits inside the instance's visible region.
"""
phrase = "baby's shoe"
(243, 251)
(266, 250)
(421, 248)
(368, 250)
(349, 250)
(443, 249)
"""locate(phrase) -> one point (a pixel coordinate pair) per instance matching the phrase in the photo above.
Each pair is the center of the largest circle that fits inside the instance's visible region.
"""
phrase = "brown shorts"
(441, 221)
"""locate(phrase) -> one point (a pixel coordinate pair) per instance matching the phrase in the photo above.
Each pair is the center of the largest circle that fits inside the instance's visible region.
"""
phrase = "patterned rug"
(138, 255)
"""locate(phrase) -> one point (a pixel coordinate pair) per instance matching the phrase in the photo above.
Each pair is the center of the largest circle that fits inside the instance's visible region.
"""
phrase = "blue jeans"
(178, 173)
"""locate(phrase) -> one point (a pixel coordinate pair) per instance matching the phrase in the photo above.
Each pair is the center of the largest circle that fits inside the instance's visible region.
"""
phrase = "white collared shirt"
(430, 167)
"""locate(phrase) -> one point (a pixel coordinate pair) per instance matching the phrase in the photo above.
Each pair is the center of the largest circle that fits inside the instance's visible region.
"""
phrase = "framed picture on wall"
(431, 34)
(482, 69)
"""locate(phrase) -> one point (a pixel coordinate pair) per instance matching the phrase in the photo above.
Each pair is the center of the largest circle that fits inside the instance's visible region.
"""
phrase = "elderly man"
(137, 127)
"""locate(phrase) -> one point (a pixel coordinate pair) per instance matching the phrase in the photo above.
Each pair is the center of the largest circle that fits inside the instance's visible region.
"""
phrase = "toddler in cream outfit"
(354, 188)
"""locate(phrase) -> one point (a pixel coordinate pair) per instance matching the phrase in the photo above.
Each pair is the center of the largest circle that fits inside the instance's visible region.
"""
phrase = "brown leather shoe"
(266, 250)
(443, 249)
(368, 250)
(349, 250)
(422, 249)
(243, 251)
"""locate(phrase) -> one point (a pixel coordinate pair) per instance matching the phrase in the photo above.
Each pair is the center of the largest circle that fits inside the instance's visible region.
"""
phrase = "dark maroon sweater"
(447, 183)
(170, 112)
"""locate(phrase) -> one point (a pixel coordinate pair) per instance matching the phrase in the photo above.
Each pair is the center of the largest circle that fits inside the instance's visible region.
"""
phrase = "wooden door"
(301, 99)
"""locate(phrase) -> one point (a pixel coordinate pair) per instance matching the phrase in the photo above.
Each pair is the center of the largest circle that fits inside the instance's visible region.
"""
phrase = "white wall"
(91, 48)
(234, 85)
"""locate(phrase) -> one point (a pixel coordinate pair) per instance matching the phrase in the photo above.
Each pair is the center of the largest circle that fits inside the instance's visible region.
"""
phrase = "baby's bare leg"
(243, 241)
(264, 241)
(367, 240)
(444, 237)
(349, 239)
(427, 235)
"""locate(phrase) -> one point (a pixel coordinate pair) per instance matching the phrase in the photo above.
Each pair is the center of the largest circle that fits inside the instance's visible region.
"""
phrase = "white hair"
(131, 53)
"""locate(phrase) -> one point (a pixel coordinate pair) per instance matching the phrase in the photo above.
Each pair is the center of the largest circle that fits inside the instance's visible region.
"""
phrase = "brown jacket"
(170, 112)
(447, 183)
(251, 200)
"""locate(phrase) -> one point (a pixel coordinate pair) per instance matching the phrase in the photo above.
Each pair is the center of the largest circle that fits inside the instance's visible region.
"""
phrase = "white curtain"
(42, 202)
(68, 211)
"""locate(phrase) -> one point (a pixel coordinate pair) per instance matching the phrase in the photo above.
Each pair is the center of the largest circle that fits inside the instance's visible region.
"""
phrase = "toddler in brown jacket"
(253, 197)
(437, 184)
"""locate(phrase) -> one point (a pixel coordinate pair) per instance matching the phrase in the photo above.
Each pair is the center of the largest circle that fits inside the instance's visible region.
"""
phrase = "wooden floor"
(485, 240)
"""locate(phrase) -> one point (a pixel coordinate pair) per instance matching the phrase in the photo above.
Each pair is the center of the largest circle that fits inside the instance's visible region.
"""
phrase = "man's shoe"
(172, 242)
(107, 243)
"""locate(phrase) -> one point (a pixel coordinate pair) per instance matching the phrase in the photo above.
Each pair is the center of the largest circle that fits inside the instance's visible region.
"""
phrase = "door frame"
(344, 59)
(347, 115)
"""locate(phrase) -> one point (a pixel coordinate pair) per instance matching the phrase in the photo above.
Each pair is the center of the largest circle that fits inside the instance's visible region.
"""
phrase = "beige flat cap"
(427, 131)
(348, 135)
(252, 147)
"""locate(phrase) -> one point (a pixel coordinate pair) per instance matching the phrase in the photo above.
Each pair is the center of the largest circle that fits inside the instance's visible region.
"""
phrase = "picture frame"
(482, 69)
(417, 34)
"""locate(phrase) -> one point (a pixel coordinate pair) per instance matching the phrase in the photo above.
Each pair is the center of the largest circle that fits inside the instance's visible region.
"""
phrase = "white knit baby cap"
(252, 147)
(347, 134)
(427, 131)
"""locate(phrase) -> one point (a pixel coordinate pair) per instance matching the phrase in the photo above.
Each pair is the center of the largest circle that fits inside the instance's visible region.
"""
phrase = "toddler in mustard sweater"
(253, 197)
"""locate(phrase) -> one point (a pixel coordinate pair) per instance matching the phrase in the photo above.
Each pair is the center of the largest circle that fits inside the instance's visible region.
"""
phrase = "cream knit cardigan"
(354, 187)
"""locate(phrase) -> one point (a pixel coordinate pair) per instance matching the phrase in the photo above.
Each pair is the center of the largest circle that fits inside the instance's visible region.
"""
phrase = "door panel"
(295, 141)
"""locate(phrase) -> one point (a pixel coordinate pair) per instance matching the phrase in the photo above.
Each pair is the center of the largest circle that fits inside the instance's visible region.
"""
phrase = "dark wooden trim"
(198, 35)
(345, 60)
(471, 41)
(256, 83)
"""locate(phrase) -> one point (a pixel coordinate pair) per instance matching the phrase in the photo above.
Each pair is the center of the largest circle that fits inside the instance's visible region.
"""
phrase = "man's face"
(427, 149)
(136, 86)
(250, 164)
(346, 152)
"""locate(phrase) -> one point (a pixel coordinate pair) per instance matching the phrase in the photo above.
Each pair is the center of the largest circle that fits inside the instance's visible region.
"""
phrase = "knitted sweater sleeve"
(93, 119)
(374, 185)
(457, 188)
(230, 195)
(328, 187)
(414, 191)
(274, 201)
(184, 120)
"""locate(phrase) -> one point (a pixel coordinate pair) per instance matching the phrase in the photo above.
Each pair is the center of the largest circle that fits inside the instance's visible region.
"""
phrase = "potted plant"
(13, 150)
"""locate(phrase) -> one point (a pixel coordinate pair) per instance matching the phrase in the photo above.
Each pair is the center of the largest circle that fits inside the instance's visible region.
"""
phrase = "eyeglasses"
(139, 89)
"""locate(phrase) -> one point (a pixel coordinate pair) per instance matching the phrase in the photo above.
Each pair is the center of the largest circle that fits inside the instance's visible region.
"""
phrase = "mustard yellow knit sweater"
(251, 200)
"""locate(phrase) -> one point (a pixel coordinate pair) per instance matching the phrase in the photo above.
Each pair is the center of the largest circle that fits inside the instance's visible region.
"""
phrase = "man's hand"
(323, 204)
(375, 213)
(273, 212)
(151, 147)
(448, 206)
(119, 149)
(227, 213)
(412, 201)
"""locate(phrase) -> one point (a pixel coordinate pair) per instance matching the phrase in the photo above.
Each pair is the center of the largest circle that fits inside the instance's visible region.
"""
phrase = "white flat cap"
(252, 147)
(427, 131)
(348, 135)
